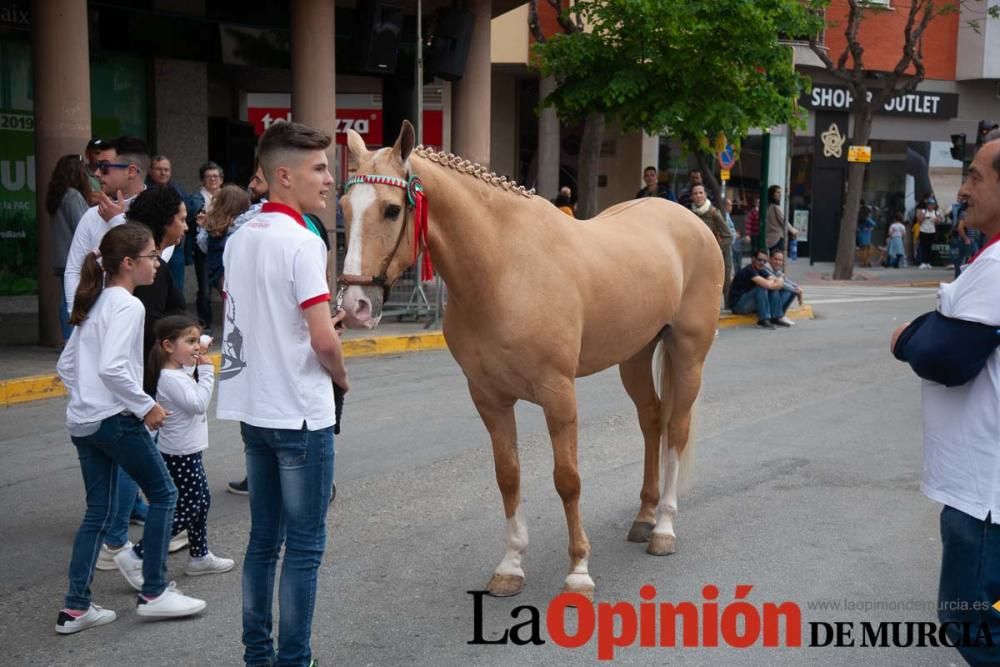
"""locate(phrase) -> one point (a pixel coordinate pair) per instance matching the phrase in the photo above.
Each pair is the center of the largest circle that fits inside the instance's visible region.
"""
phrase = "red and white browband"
(414, 188)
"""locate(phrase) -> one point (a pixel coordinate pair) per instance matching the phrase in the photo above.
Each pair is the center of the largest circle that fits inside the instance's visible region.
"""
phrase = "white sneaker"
(67, 624)
(178, 542)
(130, 566)
(209, 564)
(171, 603)
(106, 561)
(785, 321)
(925, 266)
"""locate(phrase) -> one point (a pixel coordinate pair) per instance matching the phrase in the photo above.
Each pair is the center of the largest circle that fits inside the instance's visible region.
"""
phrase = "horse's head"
(378, 206)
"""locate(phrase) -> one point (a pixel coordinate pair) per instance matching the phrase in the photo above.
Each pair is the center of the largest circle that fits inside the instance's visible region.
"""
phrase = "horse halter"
(414, 188)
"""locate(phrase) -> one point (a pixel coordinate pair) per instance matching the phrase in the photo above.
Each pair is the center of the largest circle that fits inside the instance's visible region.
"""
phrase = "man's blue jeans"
(290, 474)
(970, 573)
(768, 304)
(121, 440)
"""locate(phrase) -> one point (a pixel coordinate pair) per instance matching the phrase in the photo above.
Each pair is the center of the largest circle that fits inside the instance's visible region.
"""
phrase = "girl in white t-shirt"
(895, 254)
(107, 417)
(180, 348)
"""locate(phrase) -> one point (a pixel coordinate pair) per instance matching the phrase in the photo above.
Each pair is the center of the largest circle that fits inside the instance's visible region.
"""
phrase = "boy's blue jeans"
(290, 475)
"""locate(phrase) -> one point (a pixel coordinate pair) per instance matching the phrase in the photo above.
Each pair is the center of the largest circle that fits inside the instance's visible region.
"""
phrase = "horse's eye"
(392, 212)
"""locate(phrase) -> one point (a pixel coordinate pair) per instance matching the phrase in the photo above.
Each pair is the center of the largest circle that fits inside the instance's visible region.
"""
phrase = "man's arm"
(943, 349)
(325, 340)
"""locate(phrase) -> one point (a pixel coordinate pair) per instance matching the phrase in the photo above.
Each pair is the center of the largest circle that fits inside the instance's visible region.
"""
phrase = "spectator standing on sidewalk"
(864, 235)
(895, 252)
(776, 223)
(277, 384)
(737, 246)
(66, 202)
(122, 164)
(92, 154)
(711, 216)
(199, 205)
(927, 219)
(954, 350)
(161, 174)
(751, 223)
(652, 187)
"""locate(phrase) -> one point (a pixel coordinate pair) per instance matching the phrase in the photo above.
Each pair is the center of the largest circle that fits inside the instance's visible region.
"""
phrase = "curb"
(16, 391)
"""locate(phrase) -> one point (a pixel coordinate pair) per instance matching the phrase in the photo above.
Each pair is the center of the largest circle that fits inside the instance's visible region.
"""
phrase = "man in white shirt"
(122, 165)
(280, 357)
(955, 350)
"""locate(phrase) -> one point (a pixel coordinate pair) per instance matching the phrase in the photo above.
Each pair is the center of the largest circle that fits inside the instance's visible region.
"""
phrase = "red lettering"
(555, 620)
(607, 640)
(793, 623)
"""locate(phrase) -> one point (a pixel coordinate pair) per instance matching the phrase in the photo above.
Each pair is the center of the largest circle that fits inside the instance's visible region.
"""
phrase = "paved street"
(806, 487)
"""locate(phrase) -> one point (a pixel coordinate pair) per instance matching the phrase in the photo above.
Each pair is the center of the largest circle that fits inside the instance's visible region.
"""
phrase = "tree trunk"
(843, 268)
(712, 185)
(590, 153)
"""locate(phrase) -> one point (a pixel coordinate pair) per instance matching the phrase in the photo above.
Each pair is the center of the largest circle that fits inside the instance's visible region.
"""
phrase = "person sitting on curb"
(776, 267)
(755, 290)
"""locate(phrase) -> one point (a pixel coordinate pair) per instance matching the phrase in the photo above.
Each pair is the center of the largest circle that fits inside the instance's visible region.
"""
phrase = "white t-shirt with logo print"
(270, 376)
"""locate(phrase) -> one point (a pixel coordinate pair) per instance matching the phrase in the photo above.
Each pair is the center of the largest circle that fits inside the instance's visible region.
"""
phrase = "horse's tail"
(663, 370)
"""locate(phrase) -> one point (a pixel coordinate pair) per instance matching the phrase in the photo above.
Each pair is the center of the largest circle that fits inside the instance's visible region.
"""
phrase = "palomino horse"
(537, 299)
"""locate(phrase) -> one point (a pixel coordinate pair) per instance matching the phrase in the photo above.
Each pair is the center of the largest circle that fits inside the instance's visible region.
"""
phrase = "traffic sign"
(859, 154)
(727, 157)
(724, 174)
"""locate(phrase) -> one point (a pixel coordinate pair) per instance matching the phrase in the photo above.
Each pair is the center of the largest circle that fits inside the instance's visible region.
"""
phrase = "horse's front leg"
(498, 416)
(560, 416)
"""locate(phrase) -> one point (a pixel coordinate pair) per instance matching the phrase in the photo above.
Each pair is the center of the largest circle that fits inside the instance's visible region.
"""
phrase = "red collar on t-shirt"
(995, 239)
(275, 207)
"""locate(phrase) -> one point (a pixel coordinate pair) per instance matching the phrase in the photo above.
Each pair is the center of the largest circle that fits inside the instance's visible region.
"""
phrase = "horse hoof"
(587, 592)
(640, 532)
(505, 585)
(662, 545)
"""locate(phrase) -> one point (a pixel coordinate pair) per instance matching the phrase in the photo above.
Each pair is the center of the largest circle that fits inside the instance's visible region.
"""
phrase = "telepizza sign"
(266, 108)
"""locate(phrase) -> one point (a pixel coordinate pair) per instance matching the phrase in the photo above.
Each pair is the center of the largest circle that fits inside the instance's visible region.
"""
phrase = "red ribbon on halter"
(420, 227)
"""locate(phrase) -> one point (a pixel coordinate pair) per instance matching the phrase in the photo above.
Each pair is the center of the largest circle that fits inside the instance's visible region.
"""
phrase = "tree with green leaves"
(690, 69)
(873, 92)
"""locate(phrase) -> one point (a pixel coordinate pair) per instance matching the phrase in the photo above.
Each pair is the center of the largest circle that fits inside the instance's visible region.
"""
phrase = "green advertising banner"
(119, 98)
(18, 231)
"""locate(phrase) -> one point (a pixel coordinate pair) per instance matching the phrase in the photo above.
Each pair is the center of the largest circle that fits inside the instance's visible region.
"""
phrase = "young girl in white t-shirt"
(183, 437)
(107, 417)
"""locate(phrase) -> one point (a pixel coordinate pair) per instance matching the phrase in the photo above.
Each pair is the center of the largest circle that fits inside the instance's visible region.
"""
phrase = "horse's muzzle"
(363, 306)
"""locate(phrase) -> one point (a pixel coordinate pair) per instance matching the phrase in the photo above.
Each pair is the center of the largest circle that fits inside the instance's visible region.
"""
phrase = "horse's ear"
(355, 144)
(406, 141)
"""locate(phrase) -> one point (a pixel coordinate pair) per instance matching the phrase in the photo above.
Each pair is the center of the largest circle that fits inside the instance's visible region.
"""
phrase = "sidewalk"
(26, 371)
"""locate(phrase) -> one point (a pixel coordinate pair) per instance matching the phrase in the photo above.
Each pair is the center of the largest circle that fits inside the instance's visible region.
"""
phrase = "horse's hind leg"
(637, 377)
(498, 416)
(685, 347)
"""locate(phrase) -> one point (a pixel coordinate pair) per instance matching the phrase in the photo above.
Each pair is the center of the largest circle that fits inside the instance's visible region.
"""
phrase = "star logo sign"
(833, 141)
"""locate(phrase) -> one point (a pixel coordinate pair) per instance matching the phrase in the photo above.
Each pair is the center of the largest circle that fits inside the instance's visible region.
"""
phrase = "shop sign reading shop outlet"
(918, 104)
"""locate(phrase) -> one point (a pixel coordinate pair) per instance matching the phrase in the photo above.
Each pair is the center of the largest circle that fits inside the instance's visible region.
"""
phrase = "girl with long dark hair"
(107, 418)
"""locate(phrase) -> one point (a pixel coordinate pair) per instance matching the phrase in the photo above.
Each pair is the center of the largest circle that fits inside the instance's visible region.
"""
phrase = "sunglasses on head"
(105, 167)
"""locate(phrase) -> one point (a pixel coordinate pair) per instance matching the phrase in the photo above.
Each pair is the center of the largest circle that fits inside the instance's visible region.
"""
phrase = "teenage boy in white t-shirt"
(280, 357)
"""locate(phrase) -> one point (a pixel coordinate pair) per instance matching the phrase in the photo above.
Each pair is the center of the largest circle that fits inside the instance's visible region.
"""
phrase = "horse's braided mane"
(452, 161)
